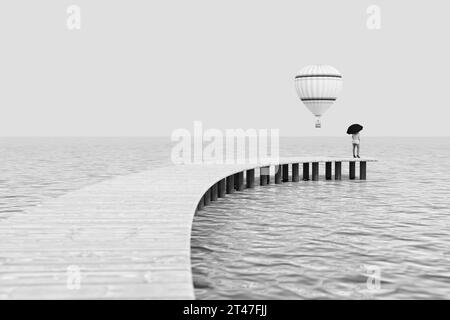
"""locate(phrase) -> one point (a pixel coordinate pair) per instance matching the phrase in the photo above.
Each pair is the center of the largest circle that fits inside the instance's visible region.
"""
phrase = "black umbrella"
(354, 128)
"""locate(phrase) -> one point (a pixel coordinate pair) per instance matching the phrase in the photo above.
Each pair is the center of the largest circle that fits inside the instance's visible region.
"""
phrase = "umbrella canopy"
(354, 128)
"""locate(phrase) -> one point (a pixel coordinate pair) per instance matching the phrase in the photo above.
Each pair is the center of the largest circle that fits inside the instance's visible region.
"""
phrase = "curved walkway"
(124, 238)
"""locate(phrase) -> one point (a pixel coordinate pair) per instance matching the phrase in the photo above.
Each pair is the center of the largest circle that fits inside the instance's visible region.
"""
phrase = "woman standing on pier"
(355, 141)
(354, 130)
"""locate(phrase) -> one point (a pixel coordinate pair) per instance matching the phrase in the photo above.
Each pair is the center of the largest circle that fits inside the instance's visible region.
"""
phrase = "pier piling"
(295, 172)
(264, 175)
(338, 170)
(201, 204)
(362, 170)
(222, 188)
(352, 170)
(285, 172)
(207, 197)
(328, 170)
(278, 174)
(315, 171)
(250, 178)
(230, 184)
(214, 192)
(305, 171)
(240, 181)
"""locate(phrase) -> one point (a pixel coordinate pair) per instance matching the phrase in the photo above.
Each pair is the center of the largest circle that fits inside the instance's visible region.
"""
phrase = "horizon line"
(168, 136)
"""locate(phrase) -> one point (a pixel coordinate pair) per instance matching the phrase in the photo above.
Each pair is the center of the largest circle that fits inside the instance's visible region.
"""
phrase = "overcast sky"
(140, 68)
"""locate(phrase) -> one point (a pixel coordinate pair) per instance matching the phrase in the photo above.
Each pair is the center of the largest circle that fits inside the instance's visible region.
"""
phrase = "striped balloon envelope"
(318, 87)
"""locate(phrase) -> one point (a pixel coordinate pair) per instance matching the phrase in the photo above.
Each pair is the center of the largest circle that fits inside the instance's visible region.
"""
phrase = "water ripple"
(328, 239)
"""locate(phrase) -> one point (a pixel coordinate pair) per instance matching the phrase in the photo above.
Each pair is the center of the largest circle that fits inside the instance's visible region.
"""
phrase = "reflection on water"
(387, 237)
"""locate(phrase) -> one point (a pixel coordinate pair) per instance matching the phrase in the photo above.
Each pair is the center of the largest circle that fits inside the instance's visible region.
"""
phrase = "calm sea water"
(303, 240)
(334, 239)
(34, 169)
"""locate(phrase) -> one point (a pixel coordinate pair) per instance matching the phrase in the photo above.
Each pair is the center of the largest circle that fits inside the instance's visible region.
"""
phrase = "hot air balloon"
(318, 86)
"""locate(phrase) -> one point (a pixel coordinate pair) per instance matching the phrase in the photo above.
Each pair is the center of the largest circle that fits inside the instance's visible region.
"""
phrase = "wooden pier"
(129, 237)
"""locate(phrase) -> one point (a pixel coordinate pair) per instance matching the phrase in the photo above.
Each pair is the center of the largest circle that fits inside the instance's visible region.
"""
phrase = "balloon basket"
(318, 124)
